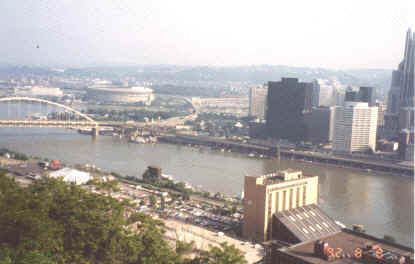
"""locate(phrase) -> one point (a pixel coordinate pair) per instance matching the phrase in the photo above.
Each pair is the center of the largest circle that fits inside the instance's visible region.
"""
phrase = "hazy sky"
(316, 33)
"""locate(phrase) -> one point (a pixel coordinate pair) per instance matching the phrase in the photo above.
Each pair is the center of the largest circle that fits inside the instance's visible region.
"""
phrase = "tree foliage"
(225, 254)
(53, 222)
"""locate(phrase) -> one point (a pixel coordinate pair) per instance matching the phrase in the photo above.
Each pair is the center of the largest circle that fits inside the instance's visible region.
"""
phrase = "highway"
(359, 163)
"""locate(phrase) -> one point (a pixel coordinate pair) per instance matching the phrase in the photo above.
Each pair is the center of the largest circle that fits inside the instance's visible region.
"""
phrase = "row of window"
(284, 200)
(286, 187)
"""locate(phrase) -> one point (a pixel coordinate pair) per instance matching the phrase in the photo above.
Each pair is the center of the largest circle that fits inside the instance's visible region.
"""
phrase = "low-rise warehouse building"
(345, 246)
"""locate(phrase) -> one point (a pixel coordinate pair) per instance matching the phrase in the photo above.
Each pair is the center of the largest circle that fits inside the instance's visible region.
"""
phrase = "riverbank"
(272, 151)
(9, 157)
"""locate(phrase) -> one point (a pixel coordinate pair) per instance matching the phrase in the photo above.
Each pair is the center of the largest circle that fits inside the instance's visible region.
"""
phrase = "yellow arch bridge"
(86, 121)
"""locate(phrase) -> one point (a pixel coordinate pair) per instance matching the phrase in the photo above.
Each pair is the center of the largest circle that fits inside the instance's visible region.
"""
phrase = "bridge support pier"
(95, 131)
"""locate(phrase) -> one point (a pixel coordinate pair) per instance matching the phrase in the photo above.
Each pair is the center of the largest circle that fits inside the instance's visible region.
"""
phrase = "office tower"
(391, 126)
(401, 94)
(315, 101)
(382, 109)
(406, 118)
(320, 124)
(268, 194)
(331, 92)
(325, 92)
(406, 145)
(351, 95)
(338, 97)
(257, 101)
(367, 94)
(355, 127)
(393, 95)
(381, 119)
(408, 76)
(287, 102)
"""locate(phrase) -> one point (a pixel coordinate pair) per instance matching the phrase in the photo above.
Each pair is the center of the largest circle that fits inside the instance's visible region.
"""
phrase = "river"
(383, 203)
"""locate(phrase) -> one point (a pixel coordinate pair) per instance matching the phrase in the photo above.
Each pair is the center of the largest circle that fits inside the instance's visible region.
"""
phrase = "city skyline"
(320, 34)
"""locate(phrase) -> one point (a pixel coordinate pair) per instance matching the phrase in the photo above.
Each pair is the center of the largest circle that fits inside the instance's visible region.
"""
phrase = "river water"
(383, 203)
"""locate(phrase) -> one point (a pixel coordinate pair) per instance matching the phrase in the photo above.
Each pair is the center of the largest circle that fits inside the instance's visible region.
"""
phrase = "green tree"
(224, 254)
(183, 248)
(234, 209)
(218, 196)
(153, 201)
(162, 203)
(54, 222)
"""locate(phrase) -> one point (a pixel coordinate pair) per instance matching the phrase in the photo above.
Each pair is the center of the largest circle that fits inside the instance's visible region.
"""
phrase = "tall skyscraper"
(287, 102)
(401, 100)
(258, 101)
(365, 94)
(325, 92)
(408, 76)
(393, 95)
(381, 119)
(272, 193)
(320, 124)
(351, 95)
(406, 144)
(355, 127)
(316, 94)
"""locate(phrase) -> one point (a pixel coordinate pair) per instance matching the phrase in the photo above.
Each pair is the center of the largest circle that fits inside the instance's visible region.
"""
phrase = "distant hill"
(215, 77)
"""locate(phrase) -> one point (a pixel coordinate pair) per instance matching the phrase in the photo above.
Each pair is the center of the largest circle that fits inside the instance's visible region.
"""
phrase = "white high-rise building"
(258, 101)
(355, 127)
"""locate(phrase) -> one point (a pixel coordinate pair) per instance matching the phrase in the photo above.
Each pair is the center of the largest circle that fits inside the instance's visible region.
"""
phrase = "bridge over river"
(70, 117)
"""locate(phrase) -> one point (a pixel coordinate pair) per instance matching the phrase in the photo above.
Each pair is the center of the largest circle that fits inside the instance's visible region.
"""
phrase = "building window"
(277, 204)
(297, 200)
(284, 200)
(290, 205)
(304, 195)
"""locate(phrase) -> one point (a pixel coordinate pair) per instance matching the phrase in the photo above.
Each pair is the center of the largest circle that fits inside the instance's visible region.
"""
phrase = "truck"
(54, 164)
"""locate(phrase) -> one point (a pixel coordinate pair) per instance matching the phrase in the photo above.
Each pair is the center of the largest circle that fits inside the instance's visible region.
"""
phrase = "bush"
(115, 174)
(20, 156)
(53, 222)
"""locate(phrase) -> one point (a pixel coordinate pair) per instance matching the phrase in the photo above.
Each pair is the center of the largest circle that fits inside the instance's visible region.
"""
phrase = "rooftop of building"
(307, 222)
(356, 104)
(119, 88)
(348, 245)
(287, 80)
(281, 176)
(408, 130)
